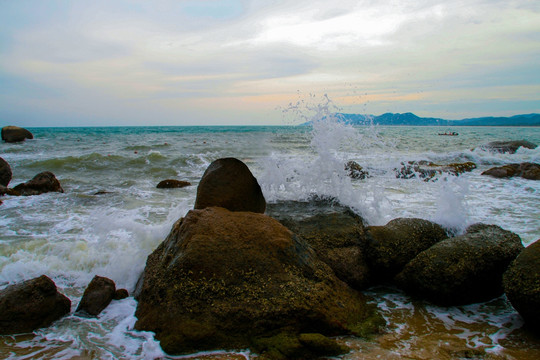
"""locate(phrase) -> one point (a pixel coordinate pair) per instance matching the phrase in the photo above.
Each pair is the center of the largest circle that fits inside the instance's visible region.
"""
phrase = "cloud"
(201, 59)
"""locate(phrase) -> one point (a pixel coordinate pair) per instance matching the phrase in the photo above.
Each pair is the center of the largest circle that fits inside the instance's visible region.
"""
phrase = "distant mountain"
(412, 119)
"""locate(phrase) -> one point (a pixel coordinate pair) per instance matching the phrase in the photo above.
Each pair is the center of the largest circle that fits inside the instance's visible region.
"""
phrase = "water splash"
(452, 208)
(321, 171)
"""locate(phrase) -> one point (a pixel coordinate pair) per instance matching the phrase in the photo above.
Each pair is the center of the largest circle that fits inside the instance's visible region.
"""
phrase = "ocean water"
(77, 234)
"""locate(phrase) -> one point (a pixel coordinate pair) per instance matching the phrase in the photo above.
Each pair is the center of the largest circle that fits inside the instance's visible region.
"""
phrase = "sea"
(111, 217)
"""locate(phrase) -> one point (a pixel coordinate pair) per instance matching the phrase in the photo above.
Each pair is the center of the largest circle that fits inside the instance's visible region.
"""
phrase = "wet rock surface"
(31, 305)
(41, 183)
(172, 184)
(98, 295)
(390, 247)
(530, 171)
(227, 279)
(522, 285)
(229, 183)
(337, 236)
(428, 170)
(5, 172)
(464, 269)
(13, 134)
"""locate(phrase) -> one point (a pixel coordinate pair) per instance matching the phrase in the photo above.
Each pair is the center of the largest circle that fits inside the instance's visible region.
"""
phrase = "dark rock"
(530, 171)
(464, 269)
(428, 170)
(31, 305)
(7, 191)
(229, 183)
(41, 183)
(304, 346)
(522, 284)
(355, 171)
(172, 184)
(5, 172)
(15, 134)
(121, 294)
(338, 239)
(392, 246)
(97, 296)
(227, 279)
(508, 146)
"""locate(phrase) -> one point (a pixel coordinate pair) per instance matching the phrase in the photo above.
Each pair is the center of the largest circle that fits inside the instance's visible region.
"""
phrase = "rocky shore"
(284, 279)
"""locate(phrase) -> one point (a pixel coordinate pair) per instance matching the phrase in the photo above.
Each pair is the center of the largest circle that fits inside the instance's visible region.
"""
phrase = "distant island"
(413, 120)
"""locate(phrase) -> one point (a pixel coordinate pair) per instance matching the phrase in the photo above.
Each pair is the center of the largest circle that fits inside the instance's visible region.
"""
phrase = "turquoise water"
(75, 235)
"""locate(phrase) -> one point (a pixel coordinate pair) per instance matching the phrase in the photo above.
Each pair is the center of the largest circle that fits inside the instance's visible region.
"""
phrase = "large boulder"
(98, 295)
(464, 269)
(15, 134)
(229, 183)
(522, 284)
(392, 246)
(530, 171)
(5, 172)
(31, 305)
(41, 183)
(338, 239)
(508, 146)
(225, 279)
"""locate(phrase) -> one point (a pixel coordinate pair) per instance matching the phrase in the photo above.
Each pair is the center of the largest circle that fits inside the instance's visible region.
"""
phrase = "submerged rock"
(31, 305)
(5, 172)
(508, 146)
(338, 239)
(392, 246)
(355, 171)
(229, 183)
(464, 269)
(98, 295)
(522, 284)
(427, 170)
(225, 279)
(530, 171)
(41, 183)
(7, 191)
(172, 184)
(15, 134)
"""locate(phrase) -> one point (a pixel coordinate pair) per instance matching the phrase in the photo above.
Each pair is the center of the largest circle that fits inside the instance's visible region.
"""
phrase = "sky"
(247, 62)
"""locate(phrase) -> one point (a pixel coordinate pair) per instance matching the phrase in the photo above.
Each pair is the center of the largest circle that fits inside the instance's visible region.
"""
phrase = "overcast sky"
(211, 62)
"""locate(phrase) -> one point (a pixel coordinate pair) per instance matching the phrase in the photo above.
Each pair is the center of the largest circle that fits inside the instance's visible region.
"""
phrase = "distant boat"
(453, 133)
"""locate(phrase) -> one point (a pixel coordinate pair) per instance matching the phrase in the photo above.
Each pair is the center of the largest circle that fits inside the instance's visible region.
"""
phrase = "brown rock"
(15, 134)
(390, 247)
(225, 279)
(229, 183)
(41, 183)
(355, 171)
(464, 269)
(31, 305)
(428, 170)
(522, 284)
(530, 171)
(172, 184)
(5, 172)
(121, 294)
(338, 239)
(97, 296)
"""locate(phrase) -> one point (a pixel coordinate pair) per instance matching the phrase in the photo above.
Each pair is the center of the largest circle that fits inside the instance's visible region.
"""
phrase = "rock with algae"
(225, 279)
